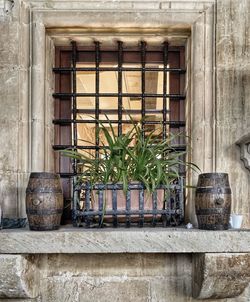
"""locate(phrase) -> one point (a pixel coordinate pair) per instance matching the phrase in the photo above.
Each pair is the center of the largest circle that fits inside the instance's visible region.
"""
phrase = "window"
(98, 82)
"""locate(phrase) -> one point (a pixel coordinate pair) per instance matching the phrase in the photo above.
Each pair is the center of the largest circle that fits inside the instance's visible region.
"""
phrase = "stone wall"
(9, 114)
(233, 96)
(131, 277)
(139, 277)
(232, 105)
(14, 116)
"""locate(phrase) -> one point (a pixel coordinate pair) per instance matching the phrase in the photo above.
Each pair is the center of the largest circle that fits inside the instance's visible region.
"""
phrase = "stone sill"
(146, 240)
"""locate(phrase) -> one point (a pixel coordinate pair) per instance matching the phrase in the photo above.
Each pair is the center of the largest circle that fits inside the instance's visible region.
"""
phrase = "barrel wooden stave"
(213, 201)
(44, 201)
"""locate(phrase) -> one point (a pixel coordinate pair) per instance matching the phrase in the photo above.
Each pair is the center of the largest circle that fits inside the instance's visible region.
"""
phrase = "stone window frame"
(44, 27)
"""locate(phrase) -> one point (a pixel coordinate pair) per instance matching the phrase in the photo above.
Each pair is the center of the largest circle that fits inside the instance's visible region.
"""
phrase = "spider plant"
(132, 157)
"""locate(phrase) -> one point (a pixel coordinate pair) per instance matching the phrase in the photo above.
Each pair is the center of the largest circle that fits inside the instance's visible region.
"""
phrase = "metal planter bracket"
(244, 144)
(220, 275)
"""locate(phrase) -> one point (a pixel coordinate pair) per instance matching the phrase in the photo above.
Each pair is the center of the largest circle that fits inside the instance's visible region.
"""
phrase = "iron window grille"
(172, 111)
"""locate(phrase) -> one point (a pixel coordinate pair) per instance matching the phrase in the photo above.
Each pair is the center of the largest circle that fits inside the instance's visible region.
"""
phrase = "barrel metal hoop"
(39, 212)
(44, 175)
(44, 227)
(213, 190)
(44, 190)
(213, 226)
(212, 211)
(214, 175)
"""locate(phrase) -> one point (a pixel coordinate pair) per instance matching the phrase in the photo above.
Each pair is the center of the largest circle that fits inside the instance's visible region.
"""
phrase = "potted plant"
(132, 159)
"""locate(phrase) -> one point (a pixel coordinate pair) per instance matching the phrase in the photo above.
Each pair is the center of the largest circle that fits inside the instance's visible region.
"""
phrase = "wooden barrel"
(44, 201)
(213, 201)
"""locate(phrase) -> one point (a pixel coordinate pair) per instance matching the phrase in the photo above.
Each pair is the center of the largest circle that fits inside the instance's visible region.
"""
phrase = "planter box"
(108, 205)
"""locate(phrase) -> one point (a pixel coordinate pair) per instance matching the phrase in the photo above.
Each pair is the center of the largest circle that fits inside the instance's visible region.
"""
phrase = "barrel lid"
(44, 175)
(213, 174)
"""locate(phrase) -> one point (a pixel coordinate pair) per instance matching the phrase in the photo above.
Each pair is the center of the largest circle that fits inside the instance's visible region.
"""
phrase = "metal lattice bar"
(146, 122)
(154, 207)
(127, 212)
(141, 208)
(87, 205)
(114, 111)
(100, 205)
(143, 65)
(74, 104)
(165, 64)
(68, 69)
(181, 198)
(114, 206)
(120, 60)
(135, 95)
(131, 186)
(97, 95)
(74, 116)
(128, 208)
(62, 147)
(75, 200)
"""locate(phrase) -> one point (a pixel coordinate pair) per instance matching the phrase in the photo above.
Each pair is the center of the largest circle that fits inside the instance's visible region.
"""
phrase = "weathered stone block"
(120, 265)
(145, 5)
(18, 277)
(8, 41)
(146, 240)
(9, 146)
(217, 276)
(8, 193)
(171, 290)
(89, 290)
(9, 94)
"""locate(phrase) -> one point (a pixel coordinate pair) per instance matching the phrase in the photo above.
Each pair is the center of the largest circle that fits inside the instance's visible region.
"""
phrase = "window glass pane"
(131, 103)
(85, 79)
(154, 117)
(85, 102)
(107, 103)
(131, 81)
(153, 103)
(86, 134)
(154, 81)
(108, 82)
(108, 116)
(126, 116)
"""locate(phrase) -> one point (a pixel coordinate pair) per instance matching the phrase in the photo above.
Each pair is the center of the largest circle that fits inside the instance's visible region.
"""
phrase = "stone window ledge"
(146, 240)
(221, 259)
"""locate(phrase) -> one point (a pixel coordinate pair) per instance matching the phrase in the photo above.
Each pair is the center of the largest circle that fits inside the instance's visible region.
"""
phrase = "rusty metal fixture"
(213, 201)
(111, 208)
(44, 201)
